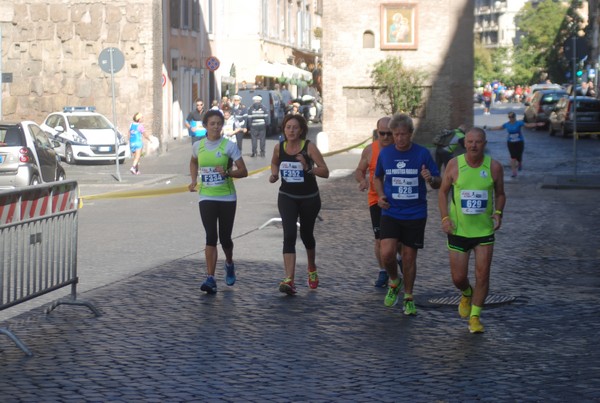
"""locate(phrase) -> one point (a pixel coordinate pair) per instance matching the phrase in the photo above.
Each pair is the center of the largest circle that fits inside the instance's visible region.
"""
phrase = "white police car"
(84, 135)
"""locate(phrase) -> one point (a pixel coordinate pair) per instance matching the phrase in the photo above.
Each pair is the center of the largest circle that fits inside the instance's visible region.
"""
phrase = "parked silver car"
(27, 156)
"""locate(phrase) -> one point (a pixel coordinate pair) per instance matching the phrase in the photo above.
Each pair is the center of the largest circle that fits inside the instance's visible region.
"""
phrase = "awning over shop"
(297, 73)
(228, 80)
(267, 69)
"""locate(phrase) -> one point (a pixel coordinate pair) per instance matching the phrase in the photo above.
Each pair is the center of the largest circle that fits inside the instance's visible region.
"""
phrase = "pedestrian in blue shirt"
(515, 140)
(137, 133)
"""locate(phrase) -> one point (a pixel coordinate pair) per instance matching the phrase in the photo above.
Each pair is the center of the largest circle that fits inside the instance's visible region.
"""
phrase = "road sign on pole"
(111, 60)
(212, 63)
(575, 48)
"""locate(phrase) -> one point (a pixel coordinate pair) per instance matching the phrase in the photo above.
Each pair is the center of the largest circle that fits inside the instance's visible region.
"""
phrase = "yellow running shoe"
(475, 325)
(464, 307)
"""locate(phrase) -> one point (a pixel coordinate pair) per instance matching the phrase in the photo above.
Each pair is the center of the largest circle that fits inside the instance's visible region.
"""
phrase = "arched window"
(368, 39)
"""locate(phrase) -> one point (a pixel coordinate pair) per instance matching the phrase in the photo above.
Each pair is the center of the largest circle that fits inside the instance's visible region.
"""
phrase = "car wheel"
(35, 180)
(69, 157)
(61, 175)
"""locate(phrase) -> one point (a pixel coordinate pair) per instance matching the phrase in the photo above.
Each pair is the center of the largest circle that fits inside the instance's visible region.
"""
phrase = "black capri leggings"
(290, 210)
(515, 148)
(222, 212)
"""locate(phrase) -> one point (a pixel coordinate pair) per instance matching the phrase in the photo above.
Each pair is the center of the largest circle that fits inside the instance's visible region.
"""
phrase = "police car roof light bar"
(79, 109)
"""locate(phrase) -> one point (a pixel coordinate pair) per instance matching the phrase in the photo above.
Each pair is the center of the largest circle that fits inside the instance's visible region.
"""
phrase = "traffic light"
(579, 73)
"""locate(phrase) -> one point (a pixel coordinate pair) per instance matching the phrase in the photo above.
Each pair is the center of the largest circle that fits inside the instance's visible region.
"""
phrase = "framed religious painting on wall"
(399, 26)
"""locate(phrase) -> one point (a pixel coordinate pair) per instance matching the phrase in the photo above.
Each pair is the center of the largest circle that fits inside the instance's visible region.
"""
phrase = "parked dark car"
(588, 117)
(540, 87)
(542, 104)
(272, 101)
(27, 156)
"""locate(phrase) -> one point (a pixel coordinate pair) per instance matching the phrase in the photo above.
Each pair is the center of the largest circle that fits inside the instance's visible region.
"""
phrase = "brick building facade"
(352, 43)
(51, 48)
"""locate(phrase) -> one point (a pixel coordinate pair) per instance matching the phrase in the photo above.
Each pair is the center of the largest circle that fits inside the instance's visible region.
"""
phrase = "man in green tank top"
(471, 202)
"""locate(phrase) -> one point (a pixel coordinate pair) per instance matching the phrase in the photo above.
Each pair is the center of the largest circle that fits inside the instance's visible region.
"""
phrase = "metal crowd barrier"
(38, 246)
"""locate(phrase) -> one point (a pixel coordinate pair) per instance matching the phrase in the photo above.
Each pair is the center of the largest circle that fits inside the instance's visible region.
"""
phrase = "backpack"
(443, 138)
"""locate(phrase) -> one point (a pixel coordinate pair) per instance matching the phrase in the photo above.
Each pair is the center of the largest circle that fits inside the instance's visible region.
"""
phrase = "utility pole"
(593, 16)
(1, 80)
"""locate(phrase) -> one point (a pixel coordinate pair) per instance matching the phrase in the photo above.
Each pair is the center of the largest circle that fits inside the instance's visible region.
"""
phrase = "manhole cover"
(490, 300)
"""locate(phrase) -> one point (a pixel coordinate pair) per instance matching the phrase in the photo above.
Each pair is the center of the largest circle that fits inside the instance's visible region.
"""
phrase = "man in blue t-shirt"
(193, 122)
(401, 175)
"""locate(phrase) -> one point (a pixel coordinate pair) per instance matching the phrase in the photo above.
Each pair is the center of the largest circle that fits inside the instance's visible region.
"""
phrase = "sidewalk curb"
(583, 182)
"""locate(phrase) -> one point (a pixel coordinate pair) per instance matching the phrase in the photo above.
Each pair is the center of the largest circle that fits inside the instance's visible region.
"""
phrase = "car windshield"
(552, 98)
(88, 122)
(10, 136)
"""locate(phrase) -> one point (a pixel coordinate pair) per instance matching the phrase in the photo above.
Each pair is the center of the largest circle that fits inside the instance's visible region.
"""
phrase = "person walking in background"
(137, 133)
(225, 103)
(470, 217)
(295, 109)
(258, 121)
(518, 95)
(214, 106)
(515, 140)
(228, 126)
(368, 161)
(456, 146)
(215, 157)
(194, 122)
(487, 98)
(591, 91)
(286, 96)
(401, 174)
(299, 162)
(240, 126)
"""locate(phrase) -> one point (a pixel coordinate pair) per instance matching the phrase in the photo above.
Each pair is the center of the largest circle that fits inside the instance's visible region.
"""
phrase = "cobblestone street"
(160, 339)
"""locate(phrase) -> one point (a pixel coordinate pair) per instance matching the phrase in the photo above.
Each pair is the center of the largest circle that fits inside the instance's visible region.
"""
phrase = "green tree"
(397, 88)
(483, 65)
(492, 64)
(502, 60)
(544, 26)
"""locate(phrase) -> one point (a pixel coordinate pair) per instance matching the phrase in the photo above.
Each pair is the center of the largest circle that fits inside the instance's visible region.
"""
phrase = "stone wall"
(445, 51)
(52, 49)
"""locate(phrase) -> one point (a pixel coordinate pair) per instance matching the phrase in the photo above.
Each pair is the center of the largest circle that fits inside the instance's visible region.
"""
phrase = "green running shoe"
(409, 307)
(475, 325)
(464, 307)
(391, 298)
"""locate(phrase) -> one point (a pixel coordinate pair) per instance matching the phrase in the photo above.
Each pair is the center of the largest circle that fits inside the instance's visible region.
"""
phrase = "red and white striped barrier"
(37, 201)
(38, 252)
